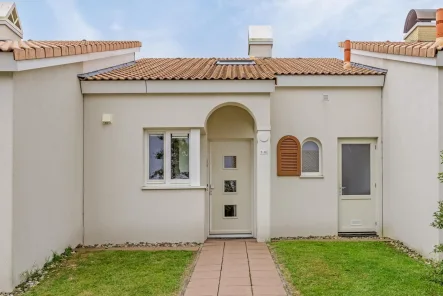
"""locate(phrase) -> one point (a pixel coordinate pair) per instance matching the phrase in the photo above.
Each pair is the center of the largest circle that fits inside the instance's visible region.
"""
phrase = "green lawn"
(352, 268)
(117, 273)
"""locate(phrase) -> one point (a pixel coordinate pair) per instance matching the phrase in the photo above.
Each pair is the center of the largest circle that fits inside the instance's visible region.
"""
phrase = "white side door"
(230, 187)
(357, 187)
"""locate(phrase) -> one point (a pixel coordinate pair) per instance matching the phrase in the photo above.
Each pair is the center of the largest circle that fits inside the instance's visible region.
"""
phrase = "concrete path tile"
(235, 274)
(235, 291)
(203, 282)
(235, 267)
(213, 267)
(205, 275)
(264, 274)
(235, 261)
(256, 281)
(264, 267)
(261, 261)
(269, 290)
(202, 291)
(242, 281)
(236, 256)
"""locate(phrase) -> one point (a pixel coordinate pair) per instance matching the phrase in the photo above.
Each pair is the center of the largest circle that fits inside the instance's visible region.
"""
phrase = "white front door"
(230, 187)
(357, 186)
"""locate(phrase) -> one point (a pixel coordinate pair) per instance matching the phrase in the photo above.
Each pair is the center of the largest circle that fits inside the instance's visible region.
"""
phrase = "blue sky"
(218, 28)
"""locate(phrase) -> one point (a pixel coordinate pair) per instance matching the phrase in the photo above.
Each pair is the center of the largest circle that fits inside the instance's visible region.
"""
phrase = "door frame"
(253, 191)
(376, 177)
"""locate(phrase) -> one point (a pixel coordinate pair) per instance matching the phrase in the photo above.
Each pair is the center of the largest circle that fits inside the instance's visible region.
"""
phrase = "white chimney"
(10, 25)
(260, 41)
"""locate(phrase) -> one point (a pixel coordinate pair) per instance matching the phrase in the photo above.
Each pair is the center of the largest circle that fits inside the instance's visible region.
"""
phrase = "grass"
(122, 273)
(352, 268)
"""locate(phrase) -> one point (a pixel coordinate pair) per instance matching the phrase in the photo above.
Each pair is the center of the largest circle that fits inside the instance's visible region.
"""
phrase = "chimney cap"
(418, 16)
(260, 34)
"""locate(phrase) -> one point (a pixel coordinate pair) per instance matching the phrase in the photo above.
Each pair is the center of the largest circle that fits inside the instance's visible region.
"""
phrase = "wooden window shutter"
(288, 157)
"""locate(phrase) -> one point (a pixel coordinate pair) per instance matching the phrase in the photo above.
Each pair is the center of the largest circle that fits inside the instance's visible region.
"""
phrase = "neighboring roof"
(417, 49)
(207, 69)
(29, 50)
(419, 15)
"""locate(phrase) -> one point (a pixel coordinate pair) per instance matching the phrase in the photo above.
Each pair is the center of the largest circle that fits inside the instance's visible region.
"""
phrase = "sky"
(219, 28)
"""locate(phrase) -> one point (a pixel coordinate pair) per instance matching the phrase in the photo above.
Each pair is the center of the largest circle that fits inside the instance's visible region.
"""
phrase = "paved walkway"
(235, 267)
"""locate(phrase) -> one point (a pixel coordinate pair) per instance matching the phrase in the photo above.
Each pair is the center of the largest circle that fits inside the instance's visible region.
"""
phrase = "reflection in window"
(179, 156)
(156, 154)
(230, 162)
(310, 157)
(230, 211)
(230, 186)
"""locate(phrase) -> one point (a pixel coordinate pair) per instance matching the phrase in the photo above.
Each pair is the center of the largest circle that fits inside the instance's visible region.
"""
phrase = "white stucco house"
(98, 147)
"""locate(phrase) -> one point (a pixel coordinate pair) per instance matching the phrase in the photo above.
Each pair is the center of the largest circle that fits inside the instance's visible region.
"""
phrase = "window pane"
(179, 157)
(230, 211)
(156, 153)
(230, 162)
(356, 169)
(230, 186)
(310, 157)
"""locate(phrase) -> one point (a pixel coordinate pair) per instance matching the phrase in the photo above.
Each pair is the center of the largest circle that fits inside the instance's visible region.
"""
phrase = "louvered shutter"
(288, 157)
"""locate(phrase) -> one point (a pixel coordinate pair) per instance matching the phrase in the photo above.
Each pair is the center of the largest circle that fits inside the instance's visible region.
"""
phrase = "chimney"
(439, 25)
(10, 25)
(420, 26)
(347, 61)
(260, 41)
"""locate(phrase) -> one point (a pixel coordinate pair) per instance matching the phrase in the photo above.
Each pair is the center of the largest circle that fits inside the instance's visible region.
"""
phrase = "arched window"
(311, 157)
(288, 157)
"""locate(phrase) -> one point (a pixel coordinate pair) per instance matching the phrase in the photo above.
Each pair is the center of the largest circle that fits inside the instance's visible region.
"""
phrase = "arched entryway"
(231, 133)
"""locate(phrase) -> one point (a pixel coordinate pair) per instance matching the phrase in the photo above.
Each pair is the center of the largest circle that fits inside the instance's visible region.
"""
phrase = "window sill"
(312, 177)
(171, 187)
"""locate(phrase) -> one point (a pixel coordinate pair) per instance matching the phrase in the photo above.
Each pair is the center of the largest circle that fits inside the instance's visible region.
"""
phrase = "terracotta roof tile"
(207, 69)
(417, 49)
(29, 50)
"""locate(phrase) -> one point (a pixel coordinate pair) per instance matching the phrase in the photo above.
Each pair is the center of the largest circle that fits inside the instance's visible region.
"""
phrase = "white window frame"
(194, 158)
(318, 174)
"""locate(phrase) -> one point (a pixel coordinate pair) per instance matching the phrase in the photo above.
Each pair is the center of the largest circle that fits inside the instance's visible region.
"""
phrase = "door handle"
(210, 187)
(340, 190)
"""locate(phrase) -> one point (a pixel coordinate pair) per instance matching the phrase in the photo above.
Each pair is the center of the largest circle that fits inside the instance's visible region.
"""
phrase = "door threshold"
(230, 236)
(358, 234)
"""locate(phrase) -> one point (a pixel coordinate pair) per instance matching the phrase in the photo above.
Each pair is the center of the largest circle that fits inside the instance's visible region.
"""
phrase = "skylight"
(235, 62)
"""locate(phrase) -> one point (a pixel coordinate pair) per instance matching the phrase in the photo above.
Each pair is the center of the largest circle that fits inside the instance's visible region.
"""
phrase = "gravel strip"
(139, 245)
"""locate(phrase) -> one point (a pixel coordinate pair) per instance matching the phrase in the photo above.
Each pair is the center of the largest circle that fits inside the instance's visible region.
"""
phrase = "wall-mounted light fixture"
(107, 118)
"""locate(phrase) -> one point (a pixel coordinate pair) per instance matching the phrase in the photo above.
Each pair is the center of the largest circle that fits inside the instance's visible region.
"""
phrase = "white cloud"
(158, 43)
(70, 22)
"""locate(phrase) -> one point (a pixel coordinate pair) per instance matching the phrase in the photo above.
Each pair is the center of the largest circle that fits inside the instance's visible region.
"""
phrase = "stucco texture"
(116, 207)
(6, 175)
(48, 164)
(301, 206)
(410, 152)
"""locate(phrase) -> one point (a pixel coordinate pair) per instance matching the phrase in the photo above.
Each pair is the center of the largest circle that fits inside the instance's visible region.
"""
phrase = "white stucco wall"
(48, 164)
(116, 208)
(410, 151)
(6, 172)
(303, 207)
